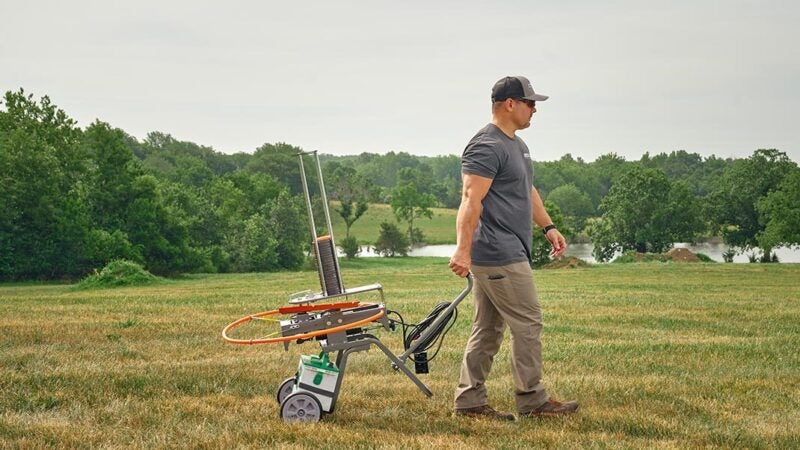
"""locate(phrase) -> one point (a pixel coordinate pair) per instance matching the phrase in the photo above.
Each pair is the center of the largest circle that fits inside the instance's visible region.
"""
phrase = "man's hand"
(557, 241)
(460, 263)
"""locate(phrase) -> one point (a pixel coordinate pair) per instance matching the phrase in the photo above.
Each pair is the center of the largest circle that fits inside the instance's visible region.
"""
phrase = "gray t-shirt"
(504, 232)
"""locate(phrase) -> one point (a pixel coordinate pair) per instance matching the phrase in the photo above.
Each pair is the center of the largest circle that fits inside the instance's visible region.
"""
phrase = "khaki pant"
(503, 295)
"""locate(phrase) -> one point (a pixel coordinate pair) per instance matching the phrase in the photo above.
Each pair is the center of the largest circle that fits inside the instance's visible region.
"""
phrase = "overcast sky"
(345, 77)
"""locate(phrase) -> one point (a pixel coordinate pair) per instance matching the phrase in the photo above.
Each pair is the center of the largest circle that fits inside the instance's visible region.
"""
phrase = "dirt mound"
(565, 263)
(682, 255)
(676, 255)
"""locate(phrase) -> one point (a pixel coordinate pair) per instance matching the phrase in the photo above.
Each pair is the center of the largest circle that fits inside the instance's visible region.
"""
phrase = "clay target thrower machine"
(340, 325)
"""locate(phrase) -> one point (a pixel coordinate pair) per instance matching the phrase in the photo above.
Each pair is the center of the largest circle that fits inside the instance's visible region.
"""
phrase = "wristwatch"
(548, 228)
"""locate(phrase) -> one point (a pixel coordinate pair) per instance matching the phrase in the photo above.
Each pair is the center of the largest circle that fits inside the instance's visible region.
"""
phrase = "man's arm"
(542, 219)
(469, 212)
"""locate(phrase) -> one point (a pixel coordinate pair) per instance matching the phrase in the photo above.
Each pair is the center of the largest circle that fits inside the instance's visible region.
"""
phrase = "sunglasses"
(530, 103)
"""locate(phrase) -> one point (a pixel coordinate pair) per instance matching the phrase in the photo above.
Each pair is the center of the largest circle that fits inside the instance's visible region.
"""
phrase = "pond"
(584, 251)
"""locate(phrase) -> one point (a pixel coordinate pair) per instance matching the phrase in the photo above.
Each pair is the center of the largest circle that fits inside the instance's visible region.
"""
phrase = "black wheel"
(301, 407)
(285, 388)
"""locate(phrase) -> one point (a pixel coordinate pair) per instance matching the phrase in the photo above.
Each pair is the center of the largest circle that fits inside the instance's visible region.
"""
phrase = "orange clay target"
(294, 310)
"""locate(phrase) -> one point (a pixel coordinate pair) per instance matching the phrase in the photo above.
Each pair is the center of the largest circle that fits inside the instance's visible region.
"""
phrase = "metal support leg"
(399, 365)
(360, 343)
(341, 364)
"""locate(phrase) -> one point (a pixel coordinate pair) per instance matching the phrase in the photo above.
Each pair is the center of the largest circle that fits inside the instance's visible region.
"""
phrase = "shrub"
(119, 272)
(728, 255)
(350, 247)
(769, 257)
(703, 257)
(634, 257)
(391, 241)
(627, 257)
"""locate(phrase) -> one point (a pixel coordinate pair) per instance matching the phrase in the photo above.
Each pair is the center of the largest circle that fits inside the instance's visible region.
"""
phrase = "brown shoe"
(484, 411)
(552, 407)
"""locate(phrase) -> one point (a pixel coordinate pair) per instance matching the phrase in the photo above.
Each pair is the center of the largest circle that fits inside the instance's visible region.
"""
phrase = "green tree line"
(72, 199)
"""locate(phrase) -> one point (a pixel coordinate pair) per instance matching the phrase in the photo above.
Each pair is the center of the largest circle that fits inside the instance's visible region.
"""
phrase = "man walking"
(494, 231)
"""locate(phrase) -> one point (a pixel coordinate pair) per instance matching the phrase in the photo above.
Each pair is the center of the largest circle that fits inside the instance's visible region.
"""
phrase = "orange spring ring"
(293, 309)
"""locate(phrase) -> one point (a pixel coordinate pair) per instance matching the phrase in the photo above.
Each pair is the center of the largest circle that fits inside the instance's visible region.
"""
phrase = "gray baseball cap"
(516, 88)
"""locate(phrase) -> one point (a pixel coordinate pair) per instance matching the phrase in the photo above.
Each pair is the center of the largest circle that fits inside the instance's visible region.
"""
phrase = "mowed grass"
(659, 355)
(440, 229)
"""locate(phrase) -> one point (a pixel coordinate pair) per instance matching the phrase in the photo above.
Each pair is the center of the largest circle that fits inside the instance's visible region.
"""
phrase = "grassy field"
(659, 355)
(441, 229)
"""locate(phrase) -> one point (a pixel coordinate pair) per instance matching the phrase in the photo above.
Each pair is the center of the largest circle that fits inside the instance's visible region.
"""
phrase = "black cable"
(436, 338)
(449, 322)
(417, 330)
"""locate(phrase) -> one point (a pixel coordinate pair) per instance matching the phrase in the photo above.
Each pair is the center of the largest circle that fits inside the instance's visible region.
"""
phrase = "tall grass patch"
(119, 273)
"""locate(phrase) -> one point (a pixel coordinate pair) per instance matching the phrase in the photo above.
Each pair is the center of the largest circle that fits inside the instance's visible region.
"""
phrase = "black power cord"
(412, 332)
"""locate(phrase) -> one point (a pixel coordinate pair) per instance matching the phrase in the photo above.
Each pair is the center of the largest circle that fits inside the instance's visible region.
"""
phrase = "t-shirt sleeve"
(480, 159)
